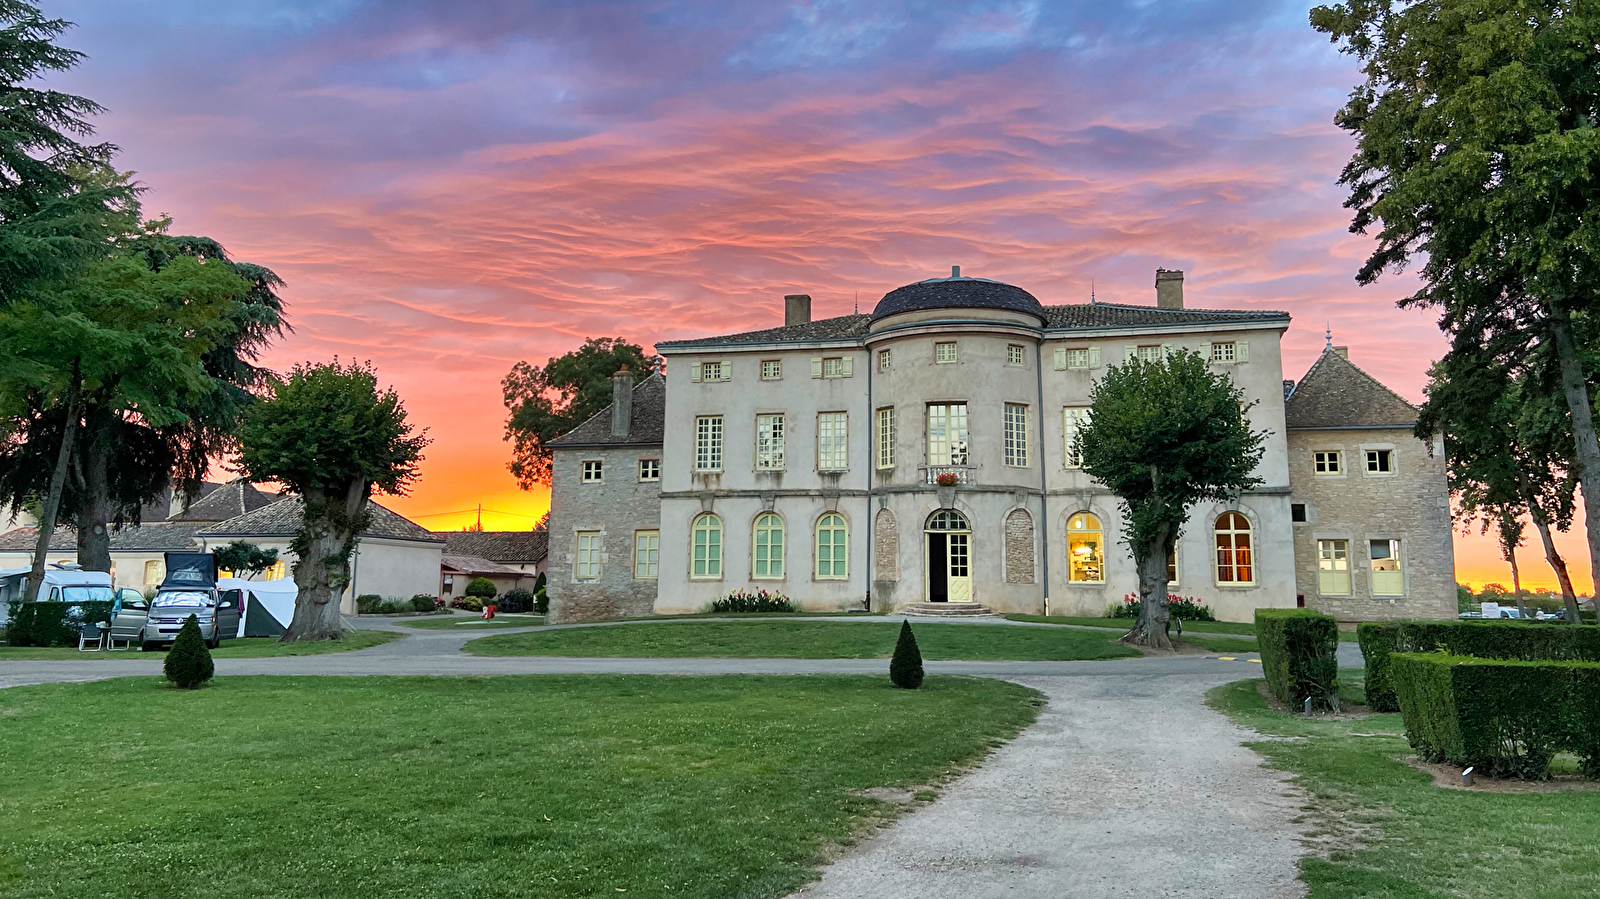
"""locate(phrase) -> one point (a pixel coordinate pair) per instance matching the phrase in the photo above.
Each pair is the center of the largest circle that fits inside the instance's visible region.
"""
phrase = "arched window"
(832, 548)
(948, 520)
(707, 563)
(1086, 550)
(768, 547)
(1235, 563)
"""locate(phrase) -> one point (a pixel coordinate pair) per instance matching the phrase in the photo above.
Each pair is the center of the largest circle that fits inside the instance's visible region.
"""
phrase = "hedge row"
(1505, 639)
(1507, 718)
(1300, 656)
(52, 623)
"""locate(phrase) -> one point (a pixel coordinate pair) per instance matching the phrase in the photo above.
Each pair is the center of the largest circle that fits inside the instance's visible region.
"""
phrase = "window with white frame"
(1326, 462)
(649, 469)
(832, 445)
(593, 471)
(833, 367)
(708, 443)
(1380, 461)
(1016, 449)
(947, 434)
(1388, 574)
(588, 567)
(712, 371)
(1073, 419)
(646, 554)
(1225, 351)
(771, 369)
(1015, 355)
(769, 442)
(1149, 353)
(885, 360)
(886, 437)
(1333, 567)
(1077, 357)
(832, 548)
(944, 352)
(767, 561)
(706, 561)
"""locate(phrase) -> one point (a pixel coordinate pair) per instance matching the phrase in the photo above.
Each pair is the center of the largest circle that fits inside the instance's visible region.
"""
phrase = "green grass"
(803, 640)
(540, 786)
(1245, 628)
(463, 623)
(1224, 645)
(1416, 840)
(243, 648)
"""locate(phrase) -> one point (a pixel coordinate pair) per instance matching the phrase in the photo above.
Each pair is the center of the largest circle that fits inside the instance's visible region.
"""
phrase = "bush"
(467, 603)
(905, 668)
(518, 600)
(541, 604)
(52, 623)
(539, 583)
(369, 604)
(1299, 655)
(1494, 639)
(1185, 607)
(1377, 642)
(482, 588)
(759, 601)
(392, 606)
(422, 602)
(188, 663)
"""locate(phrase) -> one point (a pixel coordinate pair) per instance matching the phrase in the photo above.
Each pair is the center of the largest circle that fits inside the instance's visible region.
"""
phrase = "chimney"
(796, 309)
(1343, 351)
(621, 402)
(1169, 289)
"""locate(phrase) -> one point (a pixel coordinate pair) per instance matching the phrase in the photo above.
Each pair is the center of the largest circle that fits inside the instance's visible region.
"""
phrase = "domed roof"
(956, 292)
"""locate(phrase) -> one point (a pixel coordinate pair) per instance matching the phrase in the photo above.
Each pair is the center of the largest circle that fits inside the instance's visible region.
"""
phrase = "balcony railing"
(965, 474)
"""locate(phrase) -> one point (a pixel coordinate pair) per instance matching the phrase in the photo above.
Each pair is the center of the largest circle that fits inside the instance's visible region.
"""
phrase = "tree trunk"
(1516, 578)
(94, 513)
(1569, 598)
(52, 501)
(1585, 444)
(322, 570)
(1154, 614)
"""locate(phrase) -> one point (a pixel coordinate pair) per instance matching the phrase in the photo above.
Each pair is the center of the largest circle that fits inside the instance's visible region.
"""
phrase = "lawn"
(244, 648)
(467, 787)
(463, 623)
(1225, 645)
(1200, 627)
(803, 640)
(1416, 840)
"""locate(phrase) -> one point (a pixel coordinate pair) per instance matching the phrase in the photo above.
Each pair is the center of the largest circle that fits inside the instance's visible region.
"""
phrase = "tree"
(1476, 146)
(1165, 435)
(546, 402)
(188, 663)
(482, 588)
(243, 556)
(330, 435)
(905, 666)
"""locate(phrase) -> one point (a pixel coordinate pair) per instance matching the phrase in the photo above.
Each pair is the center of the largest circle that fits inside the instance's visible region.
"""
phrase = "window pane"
(1016, 448)
(832, 442)
(1073, 420)
(1085, 549)
(831, 548)
(769, 442)
(708, 443)
(885, 438)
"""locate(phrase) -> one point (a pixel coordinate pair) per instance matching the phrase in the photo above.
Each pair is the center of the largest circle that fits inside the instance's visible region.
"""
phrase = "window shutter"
(849, 366)
(1094, 357)
(1205, 352)
(694, 371)
(1061, 358)
(1130, 353)
(816, 366)
(1242, 352)
(727, 369)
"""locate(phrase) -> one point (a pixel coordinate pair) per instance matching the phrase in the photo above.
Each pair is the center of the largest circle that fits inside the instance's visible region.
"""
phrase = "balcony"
(966, 475)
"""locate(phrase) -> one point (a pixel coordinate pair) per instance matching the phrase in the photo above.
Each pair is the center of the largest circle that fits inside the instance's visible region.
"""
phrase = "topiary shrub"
(482, 588)
(188, 663)
(541, 603)
(1377, 642)
(422, 602)
(539, 583)
(741, 601)
(905, 668)
(52, 623)
(1299, 655)
(369, 604)
(517, 600)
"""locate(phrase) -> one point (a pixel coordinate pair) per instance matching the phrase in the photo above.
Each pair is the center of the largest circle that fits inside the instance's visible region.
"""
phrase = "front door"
(949, 571)
(960, 576)
(938, 580)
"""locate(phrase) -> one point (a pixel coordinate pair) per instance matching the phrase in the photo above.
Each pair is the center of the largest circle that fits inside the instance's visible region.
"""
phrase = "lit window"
(1172, 567)
(1224, 352)
(771, 369)
(1073, 420)
(832, 448)
(947, 433)
(944, 352)
(1380, 461)
(707, 561)
(833, 367)
(1235, 562)
(649, 469)
(711, 371)
(153, 572)
(1388, 576)
(1325, 462)
(588, 555)
(646, 554)
(708, 443)
(1085, 550)
(1149, 353)
(832, 548)
(1333, 567)
(1016, 435)
(886, 438)
(1078, 358)
(884, 360)
(769, 442)
(277, 572)
(593, 471)
(1014, 355)
(768, 547)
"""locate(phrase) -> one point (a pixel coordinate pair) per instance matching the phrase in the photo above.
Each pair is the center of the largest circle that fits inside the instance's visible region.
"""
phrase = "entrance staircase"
(948, 610)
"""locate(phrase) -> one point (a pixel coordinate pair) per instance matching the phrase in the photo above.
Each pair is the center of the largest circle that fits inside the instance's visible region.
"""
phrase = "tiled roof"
(845, 327)
(162, 536)
(1111, 315)
(1337, 394)
(226, 501)
(477, 566)
(282, 519)
(649, 420)
(957, 293)
(529, 547)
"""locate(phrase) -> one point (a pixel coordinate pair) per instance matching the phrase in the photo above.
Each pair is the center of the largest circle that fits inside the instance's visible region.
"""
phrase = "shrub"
(759, 601)
(394, 606)
(52, 623)
(482, 588)
(467, 603)
(518, 600)
(541, 603)
(188, 663)
(539, 583)
(422, 602)
(1299, 655)
(905, 668)
(1377, 642)
(369, 604)
(1493, 639)
(1185, 607)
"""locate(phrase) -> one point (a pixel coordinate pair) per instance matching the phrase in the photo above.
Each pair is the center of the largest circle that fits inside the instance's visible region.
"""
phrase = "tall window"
(708, 443)
(771, 369)
(593, 471)
(1172, 567)
(769, 442)
(885, 360)
(1086, 550)
(947, 434)
(1325, 462)
(886, 437)
(944, 352)
(1149, 353)
(1072, 421)
(1388, 575)
(649, 469)
(707, 561)
(1235, 563)
(832, 548)
(588, 555)
(1015, 355)
(768, 547)
(153, 572)
(646, 554)
(1333, 567)
(1016, 434)
(832, 447)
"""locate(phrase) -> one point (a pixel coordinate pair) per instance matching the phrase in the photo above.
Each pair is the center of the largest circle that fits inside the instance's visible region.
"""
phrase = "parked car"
(190, 588)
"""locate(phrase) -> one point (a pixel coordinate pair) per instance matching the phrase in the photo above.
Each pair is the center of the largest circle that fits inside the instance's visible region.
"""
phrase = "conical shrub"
(189, 662)
(905, 669)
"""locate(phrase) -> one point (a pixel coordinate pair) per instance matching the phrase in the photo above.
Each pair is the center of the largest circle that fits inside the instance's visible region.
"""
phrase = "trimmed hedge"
(188, 663)
(1377, 643)
(52, 623)
(1507, 718)
(1300, 656)
(1494, 639)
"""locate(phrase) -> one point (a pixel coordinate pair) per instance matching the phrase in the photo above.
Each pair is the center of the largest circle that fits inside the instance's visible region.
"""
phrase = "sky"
(451, 187)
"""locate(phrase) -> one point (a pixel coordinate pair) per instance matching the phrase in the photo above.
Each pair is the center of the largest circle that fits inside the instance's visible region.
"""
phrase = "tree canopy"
(243, 556)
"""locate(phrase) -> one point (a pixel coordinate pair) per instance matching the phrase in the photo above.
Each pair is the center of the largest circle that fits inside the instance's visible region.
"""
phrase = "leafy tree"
(329, 434)
(481, 587)
(1163, 436)
(1476, 147)
(1465, 601)
(546, 402)
(188, 663)
(243, 556)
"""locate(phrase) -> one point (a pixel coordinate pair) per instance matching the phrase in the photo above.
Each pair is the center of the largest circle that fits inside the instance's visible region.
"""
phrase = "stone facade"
(886, 548)
(1019, 547)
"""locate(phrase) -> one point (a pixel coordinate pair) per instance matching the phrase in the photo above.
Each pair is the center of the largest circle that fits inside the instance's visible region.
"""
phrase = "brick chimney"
(621, 402)
(1343, 351)
(1169, 289)
(796, 309)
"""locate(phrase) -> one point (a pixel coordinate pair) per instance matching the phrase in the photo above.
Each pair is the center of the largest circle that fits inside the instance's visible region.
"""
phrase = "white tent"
(269, 605)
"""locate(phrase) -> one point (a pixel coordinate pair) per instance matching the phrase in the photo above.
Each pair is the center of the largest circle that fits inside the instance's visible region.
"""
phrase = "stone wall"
(617, 507)
(1019, 547)
(886, 548)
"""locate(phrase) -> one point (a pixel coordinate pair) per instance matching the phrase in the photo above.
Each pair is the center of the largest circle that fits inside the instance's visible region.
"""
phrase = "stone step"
(948, 610)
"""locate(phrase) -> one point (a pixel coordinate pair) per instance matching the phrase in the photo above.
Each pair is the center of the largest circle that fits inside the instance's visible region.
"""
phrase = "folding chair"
(90, 633)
